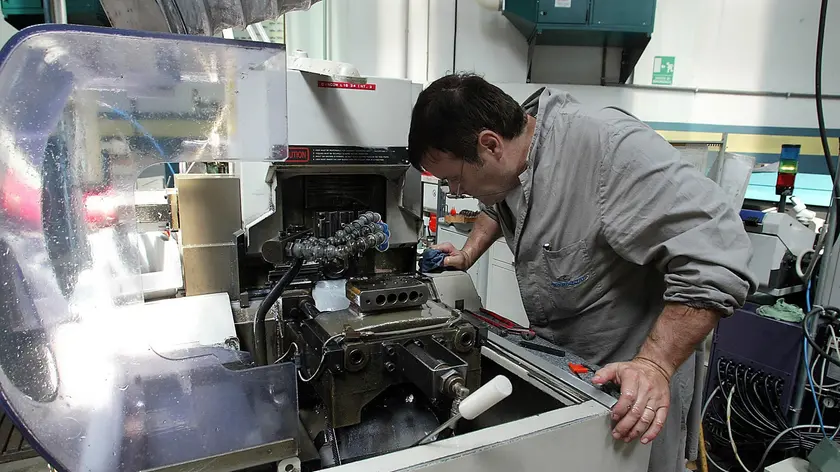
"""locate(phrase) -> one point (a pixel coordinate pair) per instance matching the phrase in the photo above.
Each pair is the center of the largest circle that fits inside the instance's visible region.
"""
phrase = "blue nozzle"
(384, 246)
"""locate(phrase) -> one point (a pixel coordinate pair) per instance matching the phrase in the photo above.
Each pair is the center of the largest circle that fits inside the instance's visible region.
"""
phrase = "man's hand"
(458, 259)
(645, 398)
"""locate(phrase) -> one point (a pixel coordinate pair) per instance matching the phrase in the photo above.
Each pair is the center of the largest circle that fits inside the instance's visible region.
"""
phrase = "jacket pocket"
(569, 280)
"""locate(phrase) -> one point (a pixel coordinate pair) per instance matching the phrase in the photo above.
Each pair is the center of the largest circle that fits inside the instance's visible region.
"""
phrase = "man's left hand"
(645, 398)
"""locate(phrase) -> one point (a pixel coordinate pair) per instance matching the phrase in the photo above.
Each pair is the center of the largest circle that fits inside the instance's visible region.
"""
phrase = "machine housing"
(778, 242)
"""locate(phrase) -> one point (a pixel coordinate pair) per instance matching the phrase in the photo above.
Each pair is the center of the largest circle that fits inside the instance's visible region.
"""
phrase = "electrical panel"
(742, 343)
(627, 24)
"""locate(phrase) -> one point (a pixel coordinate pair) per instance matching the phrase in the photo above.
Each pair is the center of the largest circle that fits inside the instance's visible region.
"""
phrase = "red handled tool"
(507, 326)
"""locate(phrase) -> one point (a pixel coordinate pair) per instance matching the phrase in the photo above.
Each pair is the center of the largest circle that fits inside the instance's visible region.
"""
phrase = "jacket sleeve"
(657, 209)
(489, 211)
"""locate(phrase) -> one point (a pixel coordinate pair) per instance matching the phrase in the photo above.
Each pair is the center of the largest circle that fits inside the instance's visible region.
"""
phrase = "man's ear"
(490, 143)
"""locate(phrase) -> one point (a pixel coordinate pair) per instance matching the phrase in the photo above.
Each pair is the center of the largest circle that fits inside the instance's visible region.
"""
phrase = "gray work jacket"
(613, 226)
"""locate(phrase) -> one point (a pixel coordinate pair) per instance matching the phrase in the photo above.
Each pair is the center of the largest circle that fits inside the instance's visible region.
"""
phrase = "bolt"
(390, 367)
(390, 350)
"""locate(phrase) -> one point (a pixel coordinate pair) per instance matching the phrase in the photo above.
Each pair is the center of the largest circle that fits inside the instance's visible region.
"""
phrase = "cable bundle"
(747, 418)
(743, 414)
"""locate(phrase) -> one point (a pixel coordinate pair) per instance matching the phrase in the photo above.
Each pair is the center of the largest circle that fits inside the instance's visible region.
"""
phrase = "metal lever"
(477, 403)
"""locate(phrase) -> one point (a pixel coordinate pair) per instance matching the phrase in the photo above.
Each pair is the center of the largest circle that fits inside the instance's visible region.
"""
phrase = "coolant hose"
(265, 306)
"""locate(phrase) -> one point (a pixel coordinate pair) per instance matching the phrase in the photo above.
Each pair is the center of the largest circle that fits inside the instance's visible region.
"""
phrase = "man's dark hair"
(451, 112)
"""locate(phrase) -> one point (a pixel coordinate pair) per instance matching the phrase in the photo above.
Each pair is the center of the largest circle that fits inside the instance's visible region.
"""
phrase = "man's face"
(488, 181)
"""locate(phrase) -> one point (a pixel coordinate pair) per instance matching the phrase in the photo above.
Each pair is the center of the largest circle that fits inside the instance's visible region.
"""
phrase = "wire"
(801, 440)
(282, 358)
(829, 312)
(837, 350)
(808, 297)
(323, 357)
(780, 435)
(836, 346)
(703, 415)
(811, 383)
(729, 428)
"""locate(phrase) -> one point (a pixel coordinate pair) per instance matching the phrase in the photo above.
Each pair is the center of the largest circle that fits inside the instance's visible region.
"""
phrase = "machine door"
(92, 376)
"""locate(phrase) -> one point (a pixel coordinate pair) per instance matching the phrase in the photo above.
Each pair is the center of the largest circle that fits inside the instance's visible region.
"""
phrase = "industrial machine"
(783, 247)
(307, 340)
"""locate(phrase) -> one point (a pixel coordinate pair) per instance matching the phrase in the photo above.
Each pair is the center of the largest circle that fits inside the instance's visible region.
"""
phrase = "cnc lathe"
(304, 337)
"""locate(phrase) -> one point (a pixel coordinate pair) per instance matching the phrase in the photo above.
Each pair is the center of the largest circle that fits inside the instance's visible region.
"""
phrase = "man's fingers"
(629, 393)
(444, 247)
(609, 373)
(450, 261)
(656, 426)
(648, 415)
(625, 426)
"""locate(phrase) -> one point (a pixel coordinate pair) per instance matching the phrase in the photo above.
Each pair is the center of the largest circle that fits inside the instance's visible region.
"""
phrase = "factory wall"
(738, 45)
(6, 30)
(749, 45)
(752, 45)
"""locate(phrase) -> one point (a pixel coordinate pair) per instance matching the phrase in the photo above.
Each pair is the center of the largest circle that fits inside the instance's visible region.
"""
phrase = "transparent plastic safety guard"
(82, 112)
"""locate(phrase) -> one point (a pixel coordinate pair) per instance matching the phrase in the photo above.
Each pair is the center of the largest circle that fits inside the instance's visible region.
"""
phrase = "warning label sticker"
(345, 85)
(326, 155)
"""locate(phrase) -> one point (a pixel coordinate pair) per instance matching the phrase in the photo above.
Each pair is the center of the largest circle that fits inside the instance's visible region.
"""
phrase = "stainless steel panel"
(455, 289)
(209, 208)
(211, 269)
(209, 214)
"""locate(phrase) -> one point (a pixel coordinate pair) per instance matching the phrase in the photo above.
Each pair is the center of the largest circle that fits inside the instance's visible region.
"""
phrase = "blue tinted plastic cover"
(82, 112)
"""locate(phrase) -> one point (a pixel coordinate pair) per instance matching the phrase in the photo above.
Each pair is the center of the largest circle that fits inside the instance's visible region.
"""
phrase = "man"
(624, 254)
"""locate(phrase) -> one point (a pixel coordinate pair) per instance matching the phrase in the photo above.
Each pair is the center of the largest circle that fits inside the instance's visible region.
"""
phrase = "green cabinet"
(23, 13)
(21, 7)
(626, 24)
(628, 14)
(563, 11)
(617, 16)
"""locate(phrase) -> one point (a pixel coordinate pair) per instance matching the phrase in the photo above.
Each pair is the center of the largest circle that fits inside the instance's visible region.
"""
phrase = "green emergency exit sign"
(663, 70)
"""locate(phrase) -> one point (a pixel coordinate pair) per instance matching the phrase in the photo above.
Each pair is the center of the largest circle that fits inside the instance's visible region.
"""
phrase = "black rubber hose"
(265, 306)
(819, 98)
(829, 312)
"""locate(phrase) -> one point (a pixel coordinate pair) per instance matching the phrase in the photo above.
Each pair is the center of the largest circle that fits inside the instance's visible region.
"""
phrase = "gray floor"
(36, 464)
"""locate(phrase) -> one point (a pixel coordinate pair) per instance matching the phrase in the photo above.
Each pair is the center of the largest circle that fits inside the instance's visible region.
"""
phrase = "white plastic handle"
(485, 397)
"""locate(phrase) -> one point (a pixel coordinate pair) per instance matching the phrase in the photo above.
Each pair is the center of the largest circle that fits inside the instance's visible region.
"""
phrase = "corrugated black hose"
(265, 306)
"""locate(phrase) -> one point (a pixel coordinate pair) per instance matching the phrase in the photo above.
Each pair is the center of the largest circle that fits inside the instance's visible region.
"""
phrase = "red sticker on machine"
(298, 155)
(345, 85)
